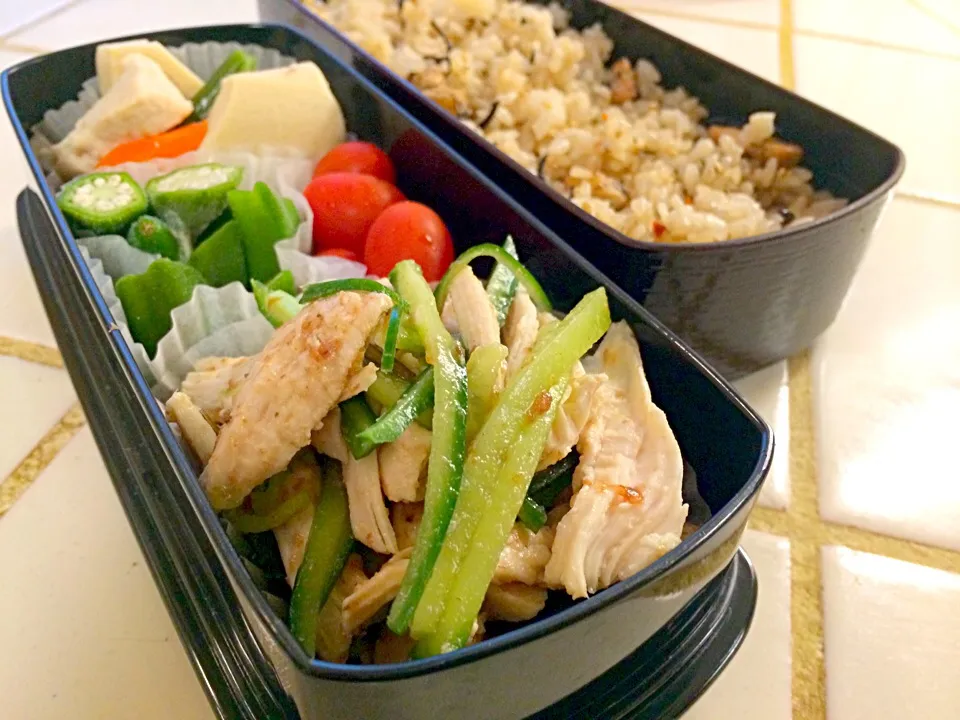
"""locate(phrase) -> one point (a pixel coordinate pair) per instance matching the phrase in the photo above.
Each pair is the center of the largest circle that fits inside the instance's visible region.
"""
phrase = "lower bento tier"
(410, 458)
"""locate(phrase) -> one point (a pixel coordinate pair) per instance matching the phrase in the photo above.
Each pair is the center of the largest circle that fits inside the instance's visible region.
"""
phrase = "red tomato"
(341, 253)
(344, 207)
(358, 157)
(409, 231)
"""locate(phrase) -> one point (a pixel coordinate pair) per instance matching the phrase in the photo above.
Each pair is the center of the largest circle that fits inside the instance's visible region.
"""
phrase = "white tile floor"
(886, 392)
(892, 638)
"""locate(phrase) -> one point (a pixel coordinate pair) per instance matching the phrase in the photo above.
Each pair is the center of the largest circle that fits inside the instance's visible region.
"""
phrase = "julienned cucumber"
(447, 450)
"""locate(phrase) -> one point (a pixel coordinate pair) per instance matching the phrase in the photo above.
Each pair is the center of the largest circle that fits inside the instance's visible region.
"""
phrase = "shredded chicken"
(627, 510)
(392, 648)
(328, 440)
(520, 331)
(571, 418)
(359, 382)
(292, 535)
(369, 518)
(213, 383)
(373, 594)
(405, 518)
(402, 463)
(333, 640)
(197, 431)
(296, 380)
(524, 557)
(476, 318)
(514, 602)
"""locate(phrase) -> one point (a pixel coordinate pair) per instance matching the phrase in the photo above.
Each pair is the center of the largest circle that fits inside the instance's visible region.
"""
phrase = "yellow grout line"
(23, 48)
(33, 352)
(785, 42)
(803, 521)
(40, 457)
(768, 520)
(897, 548)
(936, 16)
(929, 199)
(802, 32)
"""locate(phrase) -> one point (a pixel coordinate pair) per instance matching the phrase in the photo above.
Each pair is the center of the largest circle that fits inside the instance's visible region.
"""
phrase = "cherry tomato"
(341, 253)
(344, 207)
(409, 231)
(358, 157)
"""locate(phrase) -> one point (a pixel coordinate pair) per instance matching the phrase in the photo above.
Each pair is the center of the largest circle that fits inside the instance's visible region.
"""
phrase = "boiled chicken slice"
(359, 382)
(369, 518)
(402, 463)
(371, 595)
(292, 535)
(520, 331)
(475, 316)
(405, 518)
(296, 379)
(571, 418)
(627, 509)
(214, 382)
(196, 429)
(514, 602)
(524, 557)
(333, 640)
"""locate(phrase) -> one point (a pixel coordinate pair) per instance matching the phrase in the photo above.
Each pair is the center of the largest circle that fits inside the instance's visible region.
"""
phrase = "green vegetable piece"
(548, 483)
(447, 450)
(328, 547)
(483, 372)
(532, 514)
(103, 203)
(224, 217)
(494, 518)
(221, 258)
(390, 341)
(387, 390)
(504, 258)
(276, 306)
(415, 400)
(238, 61)
(293, 215)
(502, 285)
(355, 417)
(191, 198)
(248, 521)
(283, 281)
(264, 220)
(576, 334)
(153, 235)
(149, 298)
(315, 291)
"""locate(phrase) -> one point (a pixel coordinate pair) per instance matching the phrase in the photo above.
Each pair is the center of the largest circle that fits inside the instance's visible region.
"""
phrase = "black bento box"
(742, 304)
(246, 658)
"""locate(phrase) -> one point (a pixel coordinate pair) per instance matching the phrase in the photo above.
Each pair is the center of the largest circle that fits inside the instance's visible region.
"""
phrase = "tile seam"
(935, 16)
(40, 20)
(797, 32)
(805, 529)
(40, 457)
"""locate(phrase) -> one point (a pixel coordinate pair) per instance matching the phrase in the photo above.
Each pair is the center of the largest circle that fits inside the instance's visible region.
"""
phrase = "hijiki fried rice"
(607, 135)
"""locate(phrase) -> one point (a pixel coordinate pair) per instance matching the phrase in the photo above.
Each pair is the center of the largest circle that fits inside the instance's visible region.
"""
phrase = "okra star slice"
(104, 203)
(191, 198)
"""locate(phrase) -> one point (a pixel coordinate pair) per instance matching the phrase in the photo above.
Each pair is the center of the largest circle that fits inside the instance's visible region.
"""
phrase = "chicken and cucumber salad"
(417, 454)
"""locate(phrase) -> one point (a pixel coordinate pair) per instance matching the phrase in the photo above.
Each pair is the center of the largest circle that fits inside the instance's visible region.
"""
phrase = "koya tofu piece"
(142, 102)
(110, 57)
(290, 109)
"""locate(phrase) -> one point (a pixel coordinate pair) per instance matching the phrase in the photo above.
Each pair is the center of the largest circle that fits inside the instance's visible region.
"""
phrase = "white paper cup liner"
(217, 321)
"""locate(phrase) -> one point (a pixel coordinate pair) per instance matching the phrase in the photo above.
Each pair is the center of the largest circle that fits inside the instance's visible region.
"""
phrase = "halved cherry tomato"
(344, 207)
(358, 157)
(341, 253)
(409, 231)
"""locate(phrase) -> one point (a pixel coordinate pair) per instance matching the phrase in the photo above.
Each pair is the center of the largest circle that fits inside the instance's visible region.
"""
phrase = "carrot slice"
(172, 143)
